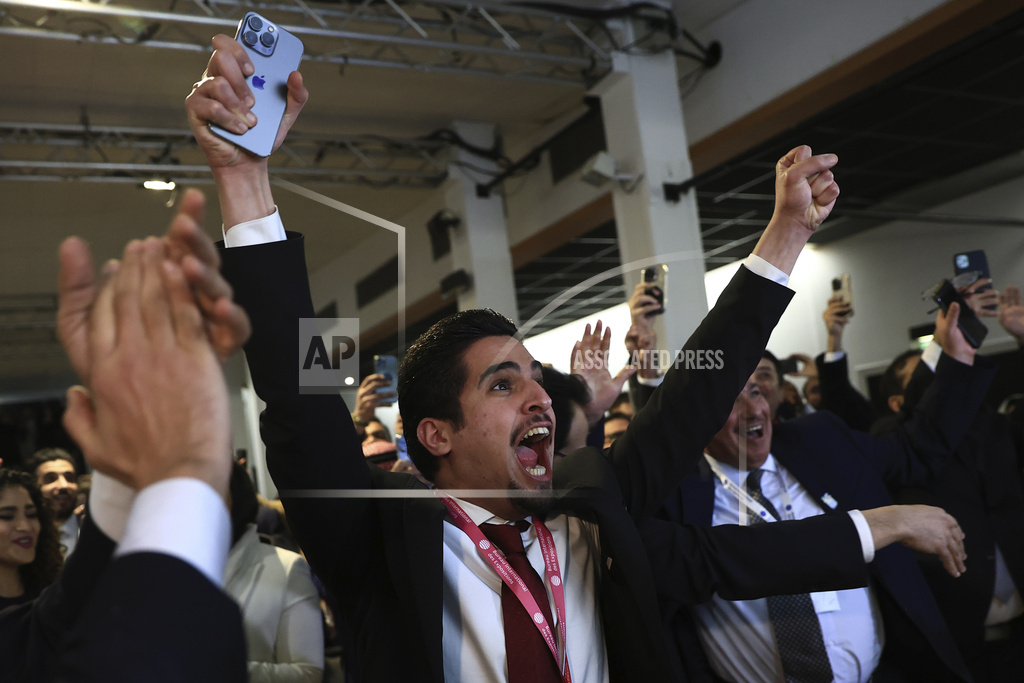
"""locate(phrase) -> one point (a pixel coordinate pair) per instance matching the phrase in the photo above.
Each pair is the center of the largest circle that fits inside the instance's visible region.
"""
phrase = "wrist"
(244, 192)
(834, 344)
(360, 421)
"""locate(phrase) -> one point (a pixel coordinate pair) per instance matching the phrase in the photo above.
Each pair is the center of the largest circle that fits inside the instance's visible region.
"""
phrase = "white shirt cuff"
(257, 231)
(650, 381)
(110, 504)
(183, 518)
(867, 541)
(833, 356)
(757, 265)
(931, 354)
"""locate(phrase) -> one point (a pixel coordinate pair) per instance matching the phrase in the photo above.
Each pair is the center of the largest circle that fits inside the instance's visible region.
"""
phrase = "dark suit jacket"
(382, 558)
(155, 618)
(981, 486)
(854, 468)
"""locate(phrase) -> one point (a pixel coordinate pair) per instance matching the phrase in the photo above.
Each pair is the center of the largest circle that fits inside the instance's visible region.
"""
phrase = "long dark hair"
(42, 571)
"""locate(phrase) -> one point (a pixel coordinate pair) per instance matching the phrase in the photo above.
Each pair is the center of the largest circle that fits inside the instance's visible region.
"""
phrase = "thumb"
(953, 314)
(624, 374)
(80, 422)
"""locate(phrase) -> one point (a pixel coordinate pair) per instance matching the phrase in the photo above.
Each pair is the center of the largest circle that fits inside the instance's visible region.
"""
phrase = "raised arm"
(694, 401)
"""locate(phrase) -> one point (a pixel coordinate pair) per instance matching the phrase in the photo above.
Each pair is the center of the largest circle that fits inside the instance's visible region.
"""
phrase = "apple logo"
(258, 82)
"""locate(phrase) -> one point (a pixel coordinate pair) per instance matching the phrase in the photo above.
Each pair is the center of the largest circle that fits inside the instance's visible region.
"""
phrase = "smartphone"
(275, 53)
(387, 366)
(403, 448)
(655, 280)
(788, 366)
(841, 287)
(974, 330)
(974, 261)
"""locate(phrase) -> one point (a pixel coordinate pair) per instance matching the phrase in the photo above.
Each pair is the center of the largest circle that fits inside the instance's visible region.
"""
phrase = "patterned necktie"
(528, 656)
(797, 630)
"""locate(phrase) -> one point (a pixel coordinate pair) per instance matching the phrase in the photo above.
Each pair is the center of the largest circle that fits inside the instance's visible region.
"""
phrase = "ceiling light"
(159, 185)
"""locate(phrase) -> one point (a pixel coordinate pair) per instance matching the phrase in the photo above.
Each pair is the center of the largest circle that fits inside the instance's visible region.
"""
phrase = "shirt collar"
(739, 476)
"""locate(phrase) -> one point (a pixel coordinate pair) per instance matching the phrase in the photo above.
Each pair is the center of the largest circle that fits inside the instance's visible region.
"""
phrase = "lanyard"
(747, 500)
(515, 583)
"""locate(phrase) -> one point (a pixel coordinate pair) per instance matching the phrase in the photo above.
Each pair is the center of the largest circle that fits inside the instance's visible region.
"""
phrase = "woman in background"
(30, 556)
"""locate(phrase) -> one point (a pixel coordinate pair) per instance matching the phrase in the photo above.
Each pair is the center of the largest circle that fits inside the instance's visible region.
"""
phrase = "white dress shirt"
(737, 635)
(473, 633)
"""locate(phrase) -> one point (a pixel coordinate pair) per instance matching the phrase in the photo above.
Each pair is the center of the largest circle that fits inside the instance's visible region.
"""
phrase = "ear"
(434, 435)
(895, 403)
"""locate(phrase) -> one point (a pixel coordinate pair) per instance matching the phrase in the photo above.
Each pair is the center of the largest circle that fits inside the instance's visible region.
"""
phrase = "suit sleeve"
(840, 397)
(690, 564)
(918, 450)
(665, 439)
(310, 440)
(155, 618)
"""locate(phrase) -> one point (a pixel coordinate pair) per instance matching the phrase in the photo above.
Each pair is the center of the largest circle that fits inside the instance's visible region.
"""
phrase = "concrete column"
(480, 242)
(643, 122)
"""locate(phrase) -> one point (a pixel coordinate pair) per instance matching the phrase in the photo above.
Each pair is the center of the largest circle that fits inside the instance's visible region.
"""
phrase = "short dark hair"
(45, 455)
(891, 384)
(43, 570)
(244, 504)
(768, 355)
(564, 390)
(433, 374)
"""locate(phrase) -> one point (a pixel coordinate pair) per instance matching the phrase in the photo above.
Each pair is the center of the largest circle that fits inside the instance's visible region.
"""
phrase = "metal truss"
(425, 35)
(41, 152)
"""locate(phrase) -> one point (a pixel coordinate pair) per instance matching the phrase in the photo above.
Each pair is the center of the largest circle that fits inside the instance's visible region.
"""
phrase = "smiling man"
(759, 470)
(423, 568)
(57, 478)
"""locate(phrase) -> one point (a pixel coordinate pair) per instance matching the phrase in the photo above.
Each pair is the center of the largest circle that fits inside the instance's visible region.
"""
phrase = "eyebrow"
(535, 368)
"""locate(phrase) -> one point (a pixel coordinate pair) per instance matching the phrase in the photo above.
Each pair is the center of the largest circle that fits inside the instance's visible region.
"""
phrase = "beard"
(531, 501)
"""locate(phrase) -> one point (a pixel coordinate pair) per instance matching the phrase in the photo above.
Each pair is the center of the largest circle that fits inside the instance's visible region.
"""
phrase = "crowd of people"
(709, 523)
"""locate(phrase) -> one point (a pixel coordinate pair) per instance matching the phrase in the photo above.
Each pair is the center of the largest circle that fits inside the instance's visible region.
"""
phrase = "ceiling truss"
(427, 35)
(43, 152)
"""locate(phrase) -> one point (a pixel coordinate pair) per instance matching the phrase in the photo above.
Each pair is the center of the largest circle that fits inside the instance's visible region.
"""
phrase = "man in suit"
(812, 466)
(154, 420)
(403, 564)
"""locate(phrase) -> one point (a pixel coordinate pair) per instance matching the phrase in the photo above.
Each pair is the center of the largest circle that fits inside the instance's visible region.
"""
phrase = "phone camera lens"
(267, 39)
(249, 38)
(255, 23)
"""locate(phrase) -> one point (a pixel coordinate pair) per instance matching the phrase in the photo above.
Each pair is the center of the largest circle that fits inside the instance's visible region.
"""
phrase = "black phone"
(654, 280)
(275, 54)
(976, 262)
(974, 330)
(788, 366)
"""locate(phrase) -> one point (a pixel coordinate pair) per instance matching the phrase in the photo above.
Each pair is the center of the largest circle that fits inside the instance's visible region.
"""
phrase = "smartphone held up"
(275, 54)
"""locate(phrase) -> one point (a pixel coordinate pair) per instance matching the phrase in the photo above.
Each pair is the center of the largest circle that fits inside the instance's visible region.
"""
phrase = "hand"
(808, 368)
(836, 316)
(227, 325)
(949, 336)
(978, 301)
(590, 361)
(1011, 313)
(157, 405)
(805, 193)
(368, 400)
(223, 97)
(922, 528)
(642, 307)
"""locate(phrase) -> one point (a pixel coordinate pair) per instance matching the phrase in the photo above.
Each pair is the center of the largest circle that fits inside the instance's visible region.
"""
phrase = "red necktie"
(528, 656)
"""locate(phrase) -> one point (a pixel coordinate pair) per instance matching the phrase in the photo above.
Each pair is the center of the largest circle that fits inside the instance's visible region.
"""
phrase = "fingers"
(153, 301)
(126, 286)
(185, 237)
(624, 374)
(183, 317)
(76, 287)
(80, 422)
(297, 98)
(1011, 297)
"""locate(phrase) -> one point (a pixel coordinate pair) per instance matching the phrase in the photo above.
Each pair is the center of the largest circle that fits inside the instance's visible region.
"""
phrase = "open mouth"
(755, 431)
(26, 543)
(532, 453)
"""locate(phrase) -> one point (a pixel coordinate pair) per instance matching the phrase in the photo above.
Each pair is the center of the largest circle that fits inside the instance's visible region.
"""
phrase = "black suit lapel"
(419, 572)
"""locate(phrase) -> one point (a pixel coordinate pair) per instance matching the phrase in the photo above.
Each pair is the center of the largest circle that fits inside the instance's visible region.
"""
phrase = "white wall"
(890, 266)
(772, 46)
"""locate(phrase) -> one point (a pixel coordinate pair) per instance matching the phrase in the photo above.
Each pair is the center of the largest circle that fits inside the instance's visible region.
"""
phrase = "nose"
(538, 400)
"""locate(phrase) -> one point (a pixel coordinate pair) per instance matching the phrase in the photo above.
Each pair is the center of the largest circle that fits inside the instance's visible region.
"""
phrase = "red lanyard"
(516, 584)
